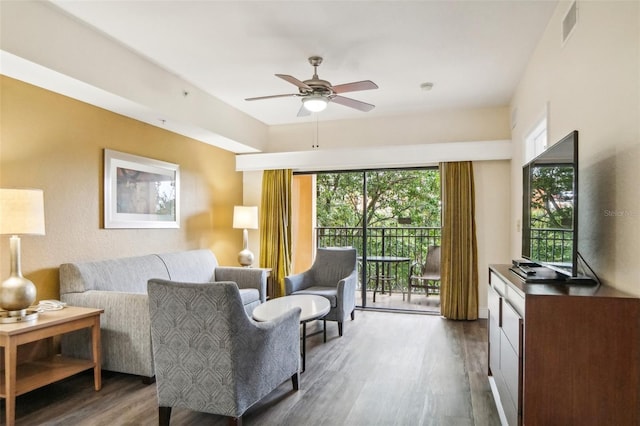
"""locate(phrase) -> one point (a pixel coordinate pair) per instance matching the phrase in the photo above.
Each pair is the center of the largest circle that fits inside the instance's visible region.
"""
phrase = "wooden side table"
(29, 375)
(270, 289)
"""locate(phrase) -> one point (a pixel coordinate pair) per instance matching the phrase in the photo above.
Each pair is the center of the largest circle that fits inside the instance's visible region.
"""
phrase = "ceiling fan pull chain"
(317, 135)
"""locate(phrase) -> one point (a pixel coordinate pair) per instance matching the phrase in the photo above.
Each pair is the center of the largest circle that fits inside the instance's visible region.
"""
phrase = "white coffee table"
(313, 308)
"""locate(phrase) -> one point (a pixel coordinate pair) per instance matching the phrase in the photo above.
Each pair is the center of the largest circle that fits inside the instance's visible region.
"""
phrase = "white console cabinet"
(505, 344)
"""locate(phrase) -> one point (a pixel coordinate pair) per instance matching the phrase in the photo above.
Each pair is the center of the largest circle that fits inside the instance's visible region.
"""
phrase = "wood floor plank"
(387, 369)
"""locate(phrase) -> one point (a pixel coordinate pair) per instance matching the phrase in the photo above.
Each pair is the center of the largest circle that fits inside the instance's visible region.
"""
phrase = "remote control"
(527, 270)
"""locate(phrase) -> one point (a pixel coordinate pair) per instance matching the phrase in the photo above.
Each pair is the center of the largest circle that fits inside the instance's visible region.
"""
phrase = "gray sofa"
(119, 286)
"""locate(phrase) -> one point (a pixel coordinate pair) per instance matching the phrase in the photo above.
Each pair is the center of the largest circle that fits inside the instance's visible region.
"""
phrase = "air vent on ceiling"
(569, 22)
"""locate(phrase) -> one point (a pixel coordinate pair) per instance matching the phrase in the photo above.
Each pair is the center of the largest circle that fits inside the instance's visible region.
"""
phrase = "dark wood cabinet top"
(555, 289)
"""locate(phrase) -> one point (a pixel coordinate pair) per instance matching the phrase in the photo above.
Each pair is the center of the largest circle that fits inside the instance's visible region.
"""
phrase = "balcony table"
(387, 263)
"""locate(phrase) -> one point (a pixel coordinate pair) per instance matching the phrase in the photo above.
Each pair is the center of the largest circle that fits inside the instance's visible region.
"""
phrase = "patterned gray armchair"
(210, 356)
(334, 275)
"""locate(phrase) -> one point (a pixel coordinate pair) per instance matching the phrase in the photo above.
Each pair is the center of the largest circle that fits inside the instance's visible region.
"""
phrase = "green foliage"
(552, 197)
(552, 214)
(410, 195)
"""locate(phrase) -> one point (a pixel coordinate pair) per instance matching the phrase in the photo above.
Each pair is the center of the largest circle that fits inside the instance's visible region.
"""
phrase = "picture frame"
(140, 192)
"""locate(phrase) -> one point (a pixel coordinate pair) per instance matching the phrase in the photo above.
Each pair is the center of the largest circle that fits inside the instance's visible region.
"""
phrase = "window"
(536, 141)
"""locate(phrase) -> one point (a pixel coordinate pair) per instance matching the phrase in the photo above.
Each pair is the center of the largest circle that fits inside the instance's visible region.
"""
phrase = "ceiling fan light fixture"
(315, 103)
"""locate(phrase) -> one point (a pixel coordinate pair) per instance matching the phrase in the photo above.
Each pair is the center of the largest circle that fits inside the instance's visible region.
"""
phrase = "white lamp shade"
(245, 217)
(21, 211)
(315, 103)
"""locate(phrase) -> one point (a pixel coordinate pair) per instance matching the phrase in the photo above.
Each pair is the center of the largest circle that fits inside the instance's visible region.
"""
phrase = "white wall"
(492, 189)
(482, 124)
(591, 84)
(376, 157)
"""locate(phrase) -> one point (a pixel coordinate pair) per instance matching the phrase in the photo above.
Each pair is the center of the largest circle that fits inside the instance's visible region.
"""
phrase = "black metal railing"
(552, 244)
(407, 242)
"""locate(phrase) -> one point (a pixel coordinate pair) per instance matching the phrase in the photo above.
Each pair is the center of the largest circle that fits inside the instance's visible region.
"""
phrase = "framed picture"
(140, 192)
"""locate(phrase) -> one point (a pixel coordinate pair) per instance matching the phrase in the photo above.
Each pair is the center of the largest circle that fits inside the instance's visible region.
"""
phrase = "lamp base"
(7, 317)
(245, 258)
(16, 293)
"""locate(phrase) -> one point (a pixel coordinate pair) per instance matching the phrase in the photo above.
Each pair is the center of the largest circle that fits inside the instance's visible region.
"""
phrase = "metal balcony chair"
(426, 275)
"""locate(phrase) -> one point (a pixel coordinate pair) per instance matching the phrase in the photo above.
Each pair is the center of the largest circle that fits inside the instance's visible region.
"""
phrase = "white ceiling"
(473, 51)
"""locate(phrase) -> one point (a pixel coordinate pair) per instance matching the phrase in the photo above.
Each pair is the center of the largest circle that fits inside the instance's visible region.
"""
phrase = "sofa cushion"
(330, 293)
(125, 275)
(249, 295)
(193, 266)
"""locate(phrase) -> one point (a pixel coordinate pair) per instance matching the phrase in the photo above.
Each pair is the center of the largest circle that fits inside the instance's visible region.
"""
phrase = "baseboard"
(496, 398)
(483, 313)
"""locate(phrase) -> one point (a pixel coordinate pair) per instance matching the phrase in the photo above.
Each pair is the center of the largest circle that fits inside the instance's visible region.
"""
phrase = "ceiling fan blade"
(271, 96)
(352, 103)
(294, 81)
(303, 112)
(355, 86)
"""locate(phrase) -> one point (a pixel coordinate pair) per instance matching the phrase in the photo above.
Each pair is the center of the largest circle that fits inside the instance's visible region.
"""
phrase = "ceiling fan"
(317, 93)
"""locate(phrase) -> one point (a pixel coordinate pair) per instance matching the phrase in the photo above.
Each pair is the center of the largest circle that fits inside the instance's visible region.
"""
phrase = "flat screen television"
(550, 213)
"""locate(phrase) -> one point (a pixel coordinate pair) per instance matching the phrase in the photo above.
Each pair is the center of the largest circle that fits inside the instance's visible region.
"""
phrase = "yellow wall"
(303, 226)
(55, 143)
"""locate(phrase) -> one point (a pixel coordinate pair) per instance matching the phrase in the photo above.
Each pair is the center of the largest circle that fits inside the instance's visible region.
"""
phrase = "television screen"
(550, 216)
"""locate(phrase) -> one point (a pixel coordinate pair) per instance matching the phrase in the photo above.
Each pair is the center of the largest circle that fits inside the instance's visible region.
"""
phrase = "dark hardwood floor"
(387, 369)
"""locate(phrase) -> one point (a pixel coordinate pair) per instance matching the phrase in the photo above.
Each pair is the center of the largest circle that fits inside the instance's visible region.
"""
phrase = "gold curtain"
(459, 263)
(275, 226)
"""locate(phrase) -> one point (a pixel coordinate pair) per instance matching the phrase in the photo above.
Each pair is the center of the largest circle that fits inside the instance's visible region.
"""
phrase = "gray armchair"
(210, 356)
(334, 275)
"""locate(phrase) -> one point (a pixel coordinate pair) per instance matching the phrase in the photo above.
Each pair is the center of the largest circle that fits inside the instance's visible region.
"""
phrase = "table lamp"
(21, 212)
(245, 217)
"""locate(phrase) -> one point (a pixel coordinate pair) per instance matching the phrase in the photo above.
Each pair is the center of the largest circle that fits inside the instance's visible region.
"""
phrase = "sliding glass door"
(391, 217)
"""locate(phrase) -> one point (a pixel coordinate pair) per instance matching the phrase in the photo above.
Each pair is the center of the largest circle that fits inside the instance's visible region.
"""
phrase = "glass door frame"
(365, 229)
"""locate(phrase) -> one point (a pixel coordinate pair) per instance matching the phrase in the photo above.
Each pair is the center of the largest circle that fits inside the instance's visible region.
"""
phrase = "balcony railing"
(552, 244)
(408, 242)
